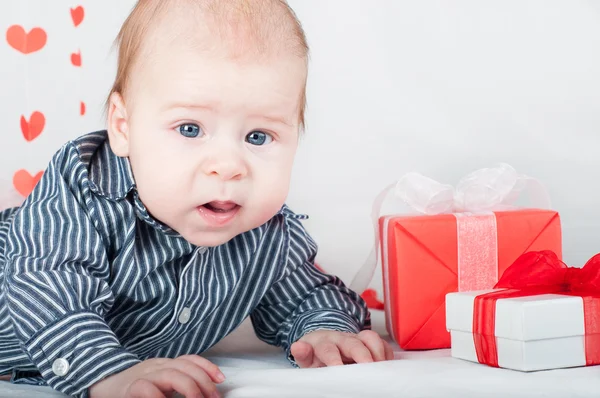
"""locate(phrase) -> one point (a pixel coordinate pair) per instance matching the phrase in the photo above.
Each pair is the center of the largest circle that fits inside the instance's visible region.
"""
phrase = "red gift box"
(426, 257)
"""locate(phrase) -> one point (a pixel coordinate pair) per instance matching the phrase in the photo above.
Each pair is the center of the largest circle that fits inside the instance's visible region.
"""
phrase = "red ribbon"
(540, 273)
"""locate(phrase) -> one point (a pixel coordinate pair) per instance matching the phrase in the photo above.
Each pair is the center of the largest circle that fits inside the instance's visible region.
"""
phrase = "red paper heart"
(77, 15)
(76, 58)
(33, 127)
(82, 108)
(25, 42)
(25, 182)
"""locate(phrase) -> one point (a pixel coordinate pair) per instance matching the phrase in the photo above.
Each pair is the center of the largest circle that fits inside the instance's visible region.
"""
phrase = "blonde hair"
(259, 25)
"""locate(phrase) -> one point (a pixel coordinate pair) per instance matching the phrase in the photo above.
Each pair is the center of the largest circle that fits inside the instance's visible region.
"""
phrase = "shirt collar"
(111, 177)
(287, 212)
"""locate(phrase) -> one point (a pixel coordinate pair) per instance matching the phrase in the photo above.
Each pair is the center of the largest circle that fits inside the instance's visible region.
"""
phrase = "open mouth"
(218, 213)
(220, 207)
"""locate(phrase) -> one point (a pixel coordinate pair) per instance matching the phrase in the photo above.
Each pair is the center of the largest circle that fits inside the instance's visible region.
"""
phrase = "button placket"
(186, 312)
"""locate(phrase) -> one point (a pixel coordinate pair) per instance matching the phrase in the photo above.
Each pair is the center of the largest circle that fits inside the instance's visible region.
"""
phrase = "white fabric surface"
(255, 370)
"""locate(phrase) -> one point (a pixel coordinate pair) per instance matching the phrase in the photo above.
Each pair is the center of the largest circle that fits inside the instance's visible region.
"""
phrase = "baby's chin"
(213, 238)
(209, 239)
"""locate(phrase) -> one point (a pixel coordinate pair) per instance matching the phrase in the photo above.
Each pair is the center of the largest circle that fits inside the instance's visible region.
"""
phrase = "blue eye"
(189, 130)
(258, 138)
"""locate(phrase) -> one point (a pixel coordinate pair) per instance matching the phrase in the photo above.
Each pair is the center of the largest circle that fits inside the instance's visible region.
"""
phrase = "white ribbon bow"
(489, 189)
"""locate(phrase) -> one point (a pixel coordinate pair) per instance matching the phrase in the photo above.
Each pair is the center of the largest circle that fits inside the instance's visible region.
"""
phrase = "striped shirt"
(92, 284)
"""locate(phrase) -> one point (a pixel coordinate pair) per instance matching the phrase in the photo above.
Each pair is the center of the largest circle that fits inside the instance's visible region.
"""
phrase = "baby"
(144, 245)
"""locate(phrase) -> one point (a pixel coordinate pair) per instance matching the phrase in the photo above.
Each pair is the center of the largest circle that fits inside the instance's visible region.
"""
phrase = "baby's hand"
(330, 348)
(190, 375)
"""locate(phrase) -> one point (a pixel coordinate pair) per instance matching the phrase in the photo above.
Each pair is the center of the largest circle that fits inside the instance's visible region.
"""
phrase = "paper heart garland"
(25, 182)
(26, 42)
(33, 127)
(76, 58)
(77, 14)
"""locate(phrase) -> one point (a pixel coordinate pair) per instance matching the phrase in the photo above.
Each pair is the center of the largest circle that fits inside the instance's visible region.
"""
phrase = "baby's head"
(207, 105)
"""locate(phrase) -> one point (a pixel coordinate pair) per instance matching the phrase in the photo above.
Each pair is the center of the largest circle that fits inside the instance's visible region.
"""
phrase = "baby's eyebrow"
(274, 119)
(187, 105)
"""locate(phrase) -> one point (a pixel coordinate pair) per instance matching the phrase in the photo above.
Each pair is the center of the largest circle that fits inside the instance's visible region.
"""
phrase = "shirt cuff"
(76, 352)
(321, 320)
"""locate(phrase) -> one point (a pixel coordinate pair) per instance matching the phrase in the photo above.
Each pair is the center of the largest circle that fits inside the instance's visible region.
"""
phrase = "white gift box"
(532, 333)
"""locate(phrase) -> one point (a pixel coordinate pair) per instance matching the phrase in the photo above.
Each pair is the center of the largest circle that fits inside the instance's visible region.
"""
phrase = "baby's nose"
(229, 167)
(228, 171)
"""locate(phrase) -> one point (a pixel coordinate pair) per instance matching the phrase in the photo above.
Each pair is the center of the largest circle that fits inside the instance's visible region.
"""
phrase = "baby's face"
(212, 141)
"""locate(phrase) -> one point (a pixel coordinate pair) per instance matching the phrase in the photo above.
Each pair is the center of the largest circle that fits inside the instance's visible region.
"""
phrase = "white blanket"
(255, 370)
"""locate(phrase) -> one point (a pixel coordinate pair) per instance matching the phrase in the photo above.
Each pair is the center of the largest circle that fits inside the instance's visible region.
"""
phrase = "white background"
(440, 87)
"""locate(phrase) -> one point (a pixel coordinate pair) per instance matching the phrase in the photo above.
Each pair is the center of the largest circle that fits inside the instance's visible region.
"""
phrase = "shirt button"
(60, 366)
(184, 316)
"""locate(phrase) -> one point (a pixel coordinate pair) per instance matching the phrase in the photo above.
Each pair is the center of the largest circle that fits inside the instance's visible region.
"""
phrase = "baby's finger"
(210, 368)
(142, 388)
(374, 343)
(199, 375)
(353, 348)
(172, 380)
(328, 353)
(303, 354)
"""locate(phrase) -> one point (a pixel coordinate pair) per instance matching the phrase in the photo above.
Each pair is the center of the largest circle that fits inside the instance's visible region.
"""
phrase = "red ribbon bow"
(536, 273)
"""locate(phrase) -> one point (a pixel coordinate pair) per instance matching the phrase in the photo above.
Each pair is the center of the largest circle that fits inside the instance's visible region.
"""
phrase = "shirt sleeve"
(306, 299)
(56, 282)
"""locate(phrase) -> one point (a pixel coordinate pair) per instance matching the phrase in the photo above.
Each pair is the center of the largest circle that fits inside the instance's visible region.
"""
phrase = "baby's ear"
(118, 125)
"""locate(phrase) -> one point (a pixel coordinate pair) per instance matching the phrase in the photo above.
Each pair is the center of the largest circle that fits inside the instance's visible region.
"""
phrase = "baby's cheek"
(272, 200)
(271, 197)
